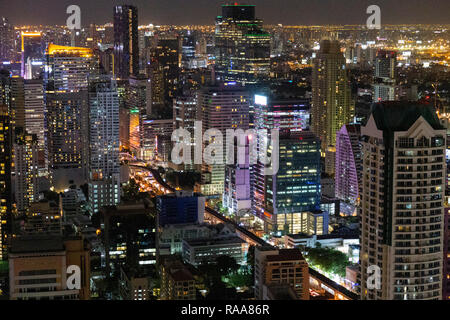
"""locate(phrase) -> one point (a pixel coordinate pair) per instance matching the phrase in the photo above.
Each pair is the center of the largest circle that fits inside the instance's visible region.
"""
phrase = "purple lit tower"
(236, 195)
(348, 163)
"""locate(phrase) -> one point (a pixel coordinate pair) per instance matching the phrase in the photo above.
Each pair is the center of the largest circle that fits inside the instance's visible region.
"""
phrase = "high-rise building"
(384, 76)
(283, 266)
(222, 107)
(68, 68)
(26, 169)
(332, 105)
(29, 113)
(242, 45)
(126, 42)
(32, 55)
(184, 116)
(281, 199)
(104, 166)
(68, 138)
(165, 63)
(5, 180)
(6, 40)
(348, 163)
(237, 189)
(402, 203)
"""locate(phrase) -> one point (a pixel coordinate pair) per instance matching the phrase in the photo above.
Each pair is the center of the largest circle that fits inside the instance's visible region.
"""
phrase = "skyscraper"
(332, 106)
(242, 45)
(281, 200)
(68, 138)
(32, 55)
(223, 106)
(5, 179)
(6, 40)
(348, 163)
(66, 79)
(126, 41)
(68, 68)
(384, 76)
(402, 203)
(25, 169)
(104, 166)
(165, 63)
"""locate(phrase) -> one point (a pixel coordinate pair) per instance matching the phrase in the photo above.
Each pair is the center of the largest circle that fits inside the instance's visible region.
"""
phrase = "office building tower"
(32, 55)
(104, 166)
(332, 105)
(6, 40)
(384, 76)
(188, 48)
(138, 94)
(237, 189)
(275, 267)
(184, 116)
(285, 114)
(401, 207)
(222, 107)
(281, 199)
(180, 207)
(27, 103)
(26, 170)
(39, 268)
(348, 163)
(68, 68)
(126, 42)
(242, 45)
(68, 138)
(165, 63)
(5, 180)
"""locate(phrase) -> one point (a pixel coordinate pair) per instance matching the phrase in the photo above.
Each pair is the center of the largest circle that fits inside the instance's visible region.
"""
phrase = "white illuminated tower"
(104, 166)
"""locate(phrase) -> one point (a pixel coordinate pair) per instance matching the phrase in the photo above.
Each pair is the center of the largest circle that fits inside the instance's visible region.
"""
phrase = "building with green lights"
(242, 46)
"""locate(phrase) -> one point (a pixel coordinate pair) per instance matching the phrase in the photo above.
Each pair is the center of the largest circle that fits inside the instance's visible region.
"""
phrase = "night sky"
(288, 12)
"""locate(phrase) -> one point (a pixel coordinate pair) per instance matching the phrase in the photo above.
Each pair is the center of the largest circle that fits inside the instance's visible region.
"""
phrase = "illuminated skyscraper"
(68, 138)
(67, 72)
(332, 106)
(32, 55)
(348, 163)
(25, 169)
(402, 203)
(164, 69)
(126, 41)
(384, 76)
(6, 40)
(242, 46)
(68, 68)
(221, 107)
(104, 166)
(280, 200)
(5, 179)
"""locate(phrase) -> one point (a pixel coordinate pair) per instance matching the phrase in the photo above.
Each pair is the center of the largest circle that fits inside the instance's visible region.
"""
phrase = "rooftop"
(401, 115)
